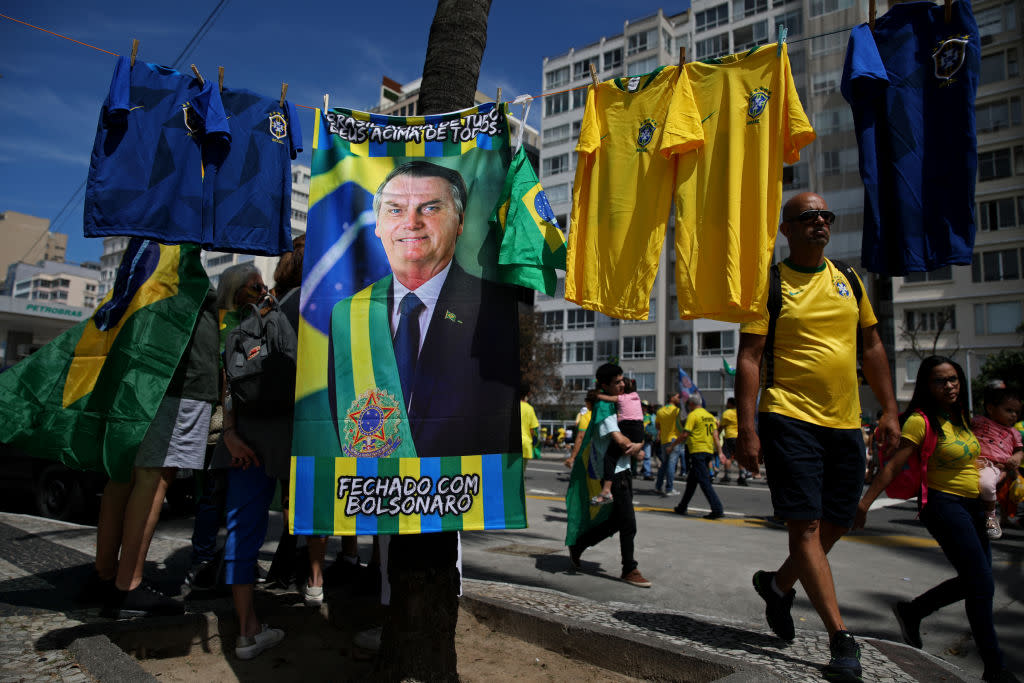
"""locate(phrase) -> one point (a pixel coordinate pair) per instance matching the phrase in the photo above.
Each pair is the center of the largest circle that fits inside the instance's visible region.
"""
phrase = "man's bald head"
(802, 222)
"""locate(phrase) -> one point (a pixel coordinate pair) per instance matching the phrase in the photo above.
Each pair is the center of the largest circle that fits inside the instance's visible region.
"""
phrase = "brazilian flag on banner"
(585, 481)
(356, 468)
(532, 243)
(88, 397)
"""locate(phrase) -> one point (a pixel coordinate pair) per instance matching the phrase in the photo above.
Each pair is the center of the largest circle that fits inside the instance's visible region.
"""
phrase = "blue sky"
(51, 90)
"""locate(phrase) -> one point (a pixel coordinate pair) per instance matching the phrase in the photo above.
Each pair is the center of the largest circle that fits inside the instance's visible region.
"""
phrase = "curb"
(106, 662)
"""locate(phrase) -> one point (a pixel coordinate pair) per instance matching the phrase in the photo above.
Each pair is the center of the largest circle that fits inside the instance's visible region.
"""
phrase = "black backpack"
(259, 361)
(775, 308)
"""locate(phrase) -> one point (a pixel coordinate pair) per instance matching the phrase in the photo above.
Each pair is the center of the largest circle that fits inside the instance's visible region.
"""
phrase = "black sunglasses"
(812, 215)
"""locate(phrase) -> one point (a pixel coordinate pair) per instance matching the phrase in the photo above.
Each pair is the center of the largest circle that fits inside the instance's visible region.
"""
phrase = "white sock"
(775, 587)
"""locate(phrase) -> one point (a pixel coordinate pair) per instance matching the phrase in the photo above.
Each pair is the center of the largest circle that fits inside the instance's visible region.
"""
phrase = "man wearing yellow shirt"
(808, 432)
(728, 430)
(667, 422)
(701, 434)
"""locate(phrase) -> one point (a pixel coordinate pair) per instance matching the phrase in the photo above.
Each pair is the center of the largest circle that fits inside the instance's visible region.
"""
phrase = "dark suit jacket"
(465, 393)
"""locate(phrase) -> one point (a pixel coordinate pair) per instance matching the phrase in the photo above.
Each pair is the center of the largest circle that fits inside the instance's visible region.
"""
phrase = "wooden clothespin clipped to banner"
(497, 100)
(682, 55)
(220, 79)
(327, 101)
(198, 75)
(593, 74)
(949, 11)
(135, 51)
(782, 32)
(284, 91)
(871, 14)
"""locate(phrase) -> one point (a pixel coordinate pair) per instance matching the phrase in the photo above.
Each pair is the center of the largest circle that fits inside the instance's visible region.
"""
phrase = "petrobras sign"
(42, 309)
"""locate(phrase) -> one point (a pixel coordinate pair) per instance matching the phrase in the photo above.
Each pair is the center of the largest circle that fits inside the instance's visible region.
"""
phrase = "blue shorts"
(814, 472)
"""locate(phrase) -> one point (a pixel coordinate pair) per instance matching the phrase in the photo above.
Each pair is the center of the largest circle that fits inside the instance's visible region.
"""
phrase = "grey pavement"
(45, 562)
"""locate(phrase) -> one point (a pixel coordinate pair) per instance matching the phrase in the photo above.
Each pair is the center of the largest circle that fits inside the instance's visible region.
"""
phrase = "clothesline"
(521, 98)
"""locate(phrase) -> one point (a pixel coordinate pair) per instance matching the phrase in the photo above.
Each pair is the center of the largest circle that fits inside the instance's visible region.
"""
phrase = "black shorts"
(728, 447)
(813, 472)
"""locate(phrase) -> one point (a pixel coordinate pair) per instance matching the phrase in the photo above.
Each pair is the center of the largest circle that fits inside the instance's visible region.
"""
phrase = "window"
(996, 20)
(825, 83)
(710, 18)
(930, 320)
(579, 98)
(999, 214)
(832, 121)
(556, 164)
(557, 78)
(714, 379)
(556, 104)
(830, 162)
(644, 66)
(551, 320)
(613, 59)
(680, 345)
(994, 164)
(579, 352)
(298, 215)
(63, 283)
(819, 7)
(556, 134)
(793, 20)
(638, 42)
(607, 348)
(797, 62)
(750, 36)
(912, 365)
(666, 40)
(747, 8)
(938, 275)
(821, 45)
(998, 318)
(721, 343)
(576, 125)
(996, 115)
(606, 321)
(993, 266)
(999, 66)
(219, 260)
(558, 194)
(715, 46)
(794, 177)
(644, 380)
(578, 382)
(634, 348)
(579, 319)
(581, 69)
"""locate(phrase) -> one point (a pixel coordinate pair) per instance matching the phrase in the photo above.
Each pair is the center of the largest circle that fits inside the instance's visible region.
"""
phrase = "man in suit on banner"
(453, 334)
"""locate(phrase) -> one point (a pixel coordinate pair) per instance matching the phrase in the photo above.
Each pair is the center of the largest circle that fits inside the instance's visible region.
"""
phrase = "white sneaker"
(265, 638)
(313, 596)
(368, 639)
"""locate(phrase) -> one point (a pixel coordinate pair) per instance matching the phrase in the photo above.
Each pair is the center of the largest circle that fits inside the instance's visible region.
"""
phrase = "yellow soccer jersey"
(951, 467)
(702, 426)
(815, 347)
(667, 419)
(730, 423)
(729, 193)
(622, 192)
(527, 423)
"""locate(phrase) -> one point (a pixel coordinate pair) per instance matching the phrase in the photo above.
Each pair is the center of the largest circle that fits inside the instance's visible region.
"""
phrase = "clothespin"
(497, 100)
(526, 101)
(871, 14)
(682, 55)
(326, 103)
(220, 79)
(949, 10)
(593, 74)
(284, 91)
(135, 50)
(198, 75)
(783, 32)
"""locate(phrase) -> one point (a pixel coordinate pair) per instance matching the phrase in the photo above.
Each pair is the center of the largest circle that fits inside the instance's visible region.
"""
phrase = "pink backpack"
(912, 481)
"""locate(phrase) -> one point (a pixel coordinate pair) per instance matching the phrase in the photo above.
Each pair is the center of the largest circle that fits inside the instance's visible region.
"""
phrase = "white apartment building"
(54, 282)
(217, 262)
(653, 350)
(971, 312)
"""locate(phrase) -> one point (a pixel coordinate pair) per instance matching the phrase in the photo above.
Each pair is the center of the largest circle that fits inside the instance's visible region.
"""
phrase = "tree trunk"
(454, 52)
(418, 641)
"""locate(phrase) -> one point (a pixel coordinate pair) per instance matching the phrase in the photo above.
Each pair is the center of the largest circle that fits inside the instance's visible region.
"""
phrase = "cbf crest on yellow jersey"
(729, 193)
(622, 193)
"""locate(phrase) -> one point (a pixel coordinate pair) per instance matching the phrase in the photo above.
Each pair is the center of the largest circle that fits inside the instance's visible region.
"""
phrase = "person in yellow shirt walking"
(667, 421)
(728, 430)
(527, 423)
(701, 434)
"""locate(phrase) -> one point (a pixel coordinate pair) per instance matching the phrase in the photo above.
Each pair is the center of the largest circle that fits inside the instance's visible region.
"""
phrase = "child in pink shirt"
(631, 424)
(1001, 448)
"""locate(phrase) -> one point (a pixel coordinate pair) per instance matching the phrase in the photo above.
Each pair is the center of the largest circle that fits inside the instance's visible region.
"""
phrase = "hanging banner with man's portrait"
(407, 411)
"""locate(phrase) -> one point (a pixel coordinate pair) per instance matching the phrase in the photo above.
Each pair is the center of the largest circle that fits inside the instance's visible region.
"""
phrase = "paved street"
(702, 568)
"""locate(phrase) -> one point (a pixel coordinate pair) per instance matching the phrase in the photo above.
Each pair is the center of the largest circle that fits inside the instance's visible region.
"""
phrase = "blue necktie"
(407, 342)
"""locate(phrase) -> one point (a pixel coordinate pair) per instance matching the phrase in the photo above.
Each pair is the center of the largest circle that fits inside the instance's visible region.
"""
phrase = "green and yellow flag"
(585, 481)
(88, 397)
(532, 244)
